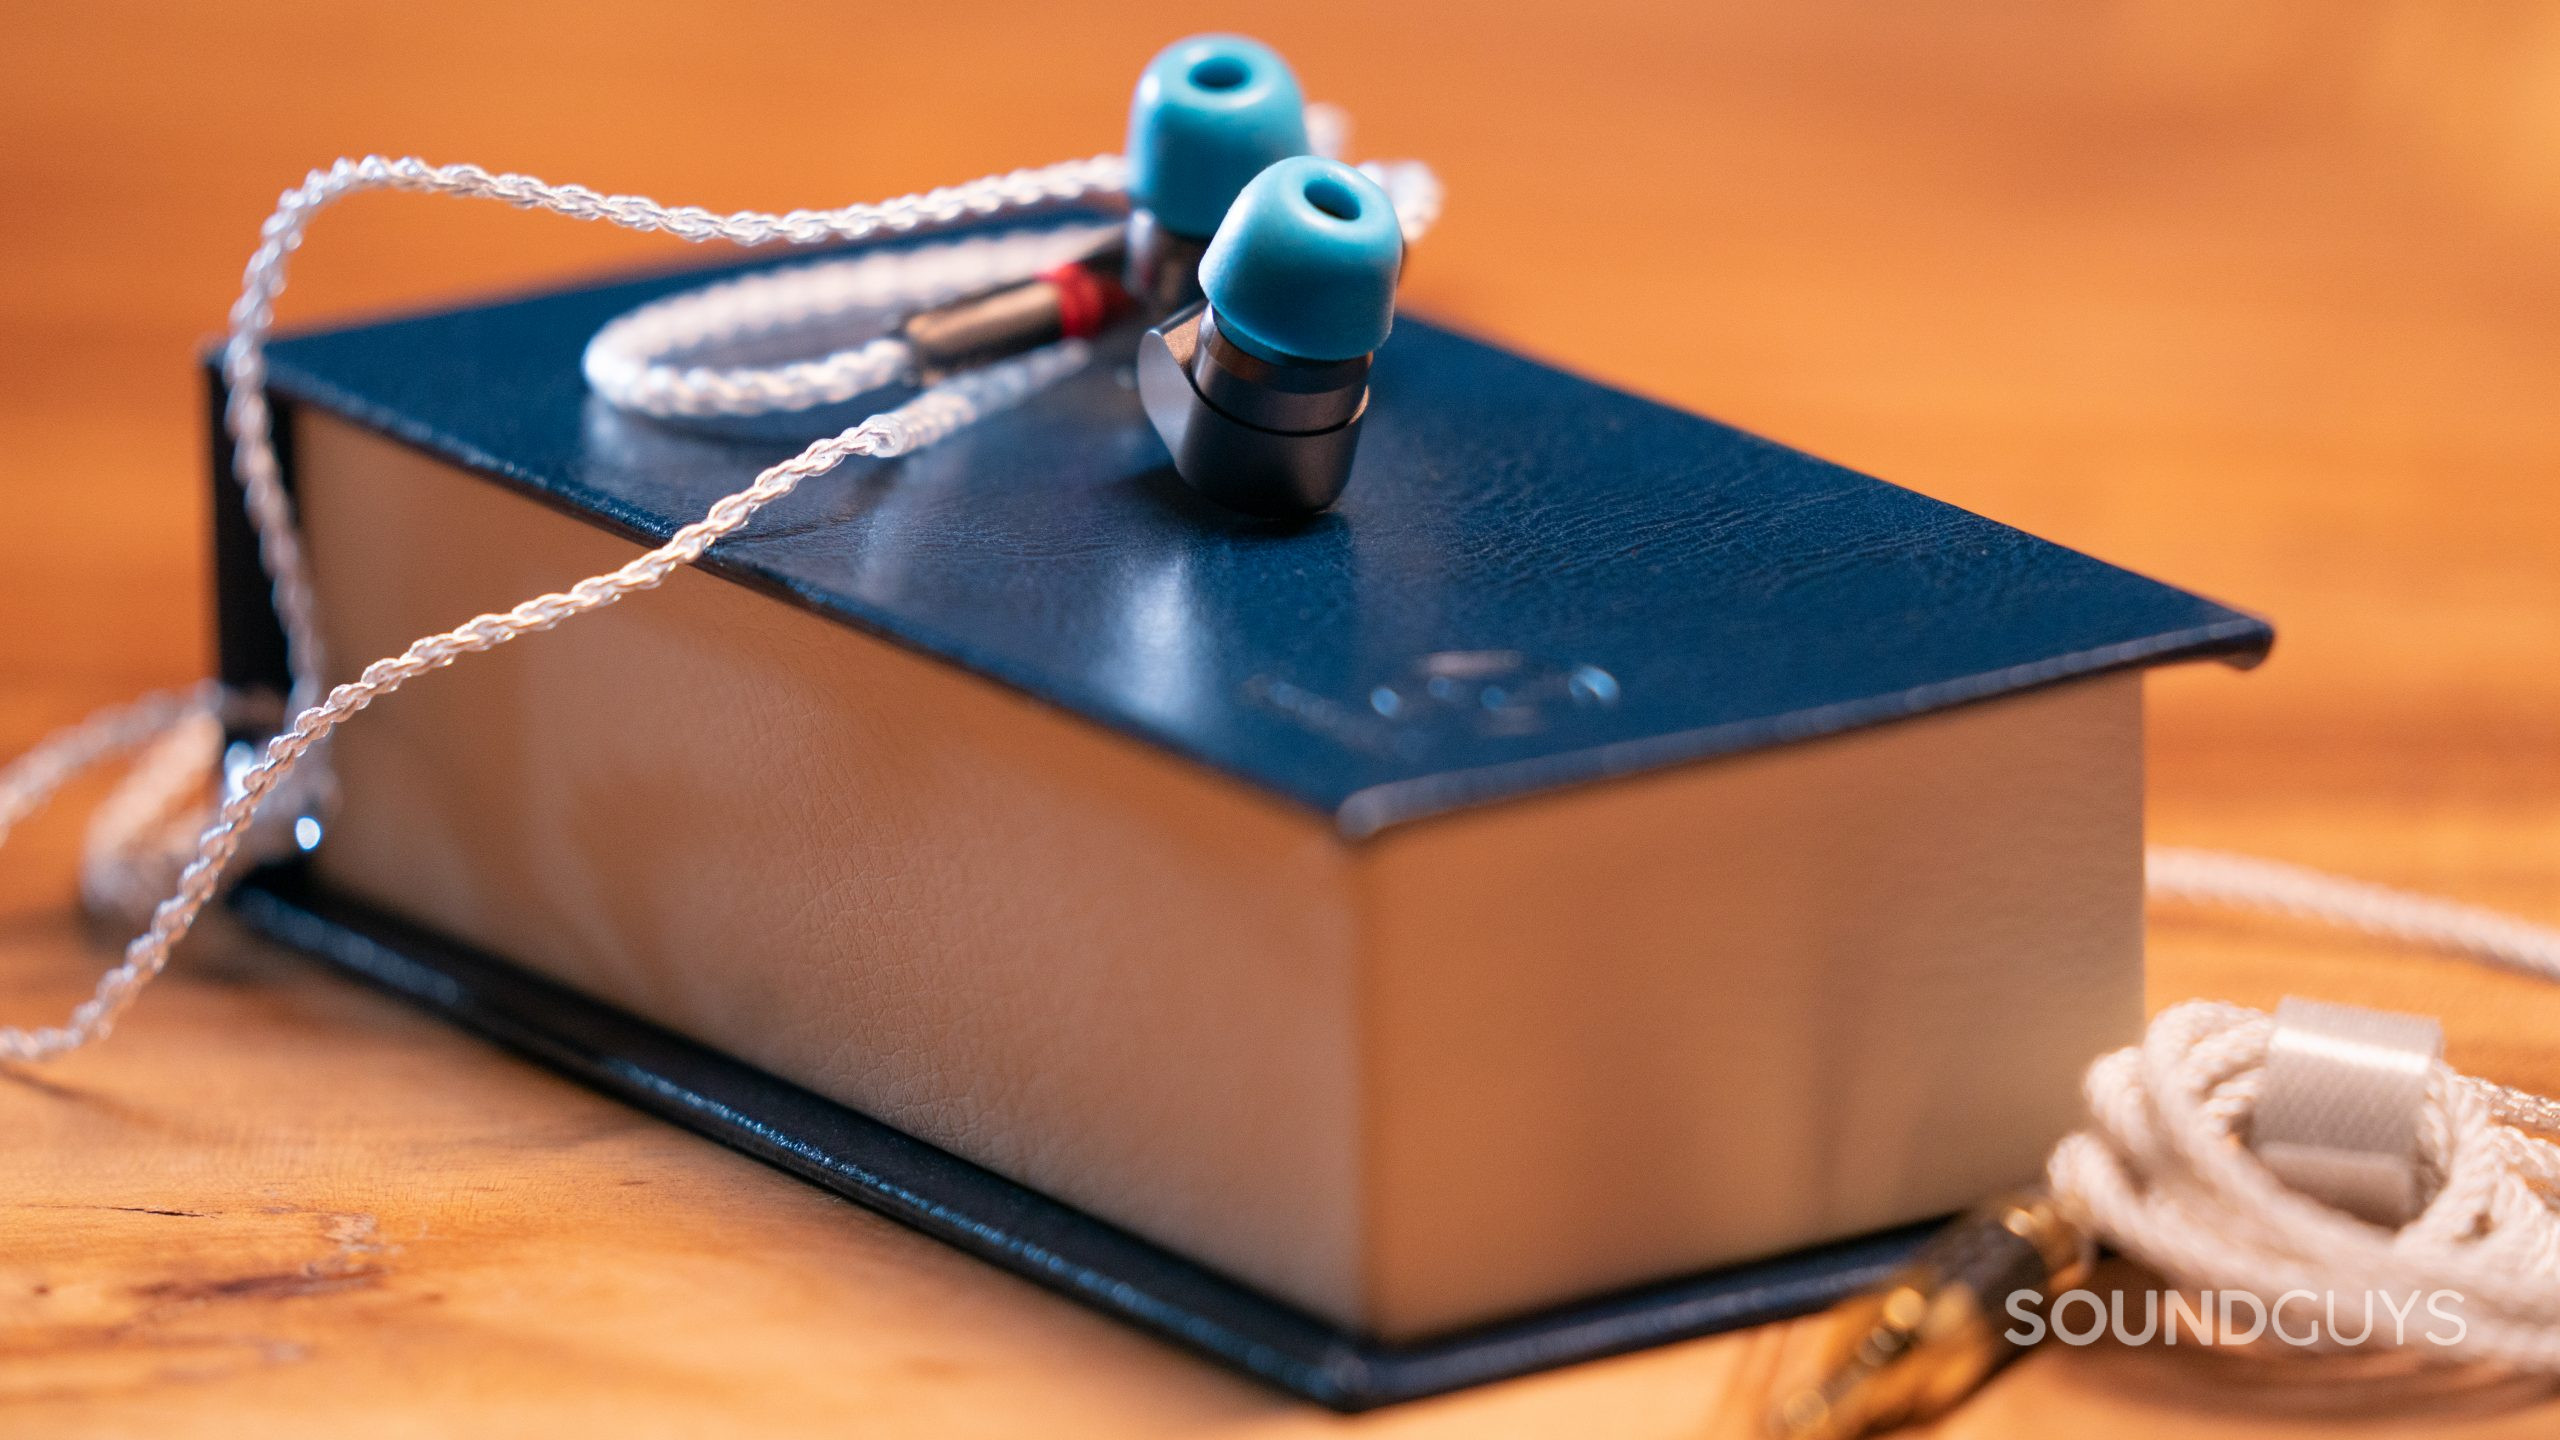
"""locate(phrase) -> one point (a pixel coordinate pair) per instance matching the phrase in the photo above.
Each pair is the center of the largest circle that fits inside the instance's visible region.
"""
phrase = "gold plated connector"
(1938, 1328)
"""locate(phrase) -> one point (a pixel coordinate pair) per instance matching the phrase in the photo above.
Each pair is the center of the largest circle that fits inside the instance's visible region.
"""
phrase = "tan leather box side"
(1747, 1004)
(1125, 982)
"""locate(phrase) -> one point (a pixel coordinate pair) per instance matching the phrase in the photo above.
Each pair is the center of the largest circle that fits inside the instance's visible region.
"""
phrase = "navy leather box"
(1583, 891)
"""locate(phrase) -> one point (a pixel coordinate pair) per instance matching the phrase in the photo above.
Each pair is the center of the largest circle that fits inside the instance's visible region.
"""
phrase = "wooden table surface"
(2259, 299)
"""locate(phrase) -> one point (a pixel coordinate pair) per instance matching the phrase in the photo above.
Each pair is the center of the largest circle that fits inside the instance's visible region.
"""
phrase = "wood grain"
(2258, 299)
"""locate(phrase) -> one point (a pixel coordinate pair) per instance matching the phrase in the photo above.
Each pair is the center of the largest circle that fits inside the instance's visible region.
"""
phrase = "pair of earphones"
(1267, 272)
(1258, 383)
(1270, 273)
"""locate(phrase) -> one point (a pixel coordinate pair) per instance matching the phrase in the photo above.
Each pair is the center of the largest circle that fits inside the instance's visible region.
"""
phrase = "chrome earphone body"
(1258, 389)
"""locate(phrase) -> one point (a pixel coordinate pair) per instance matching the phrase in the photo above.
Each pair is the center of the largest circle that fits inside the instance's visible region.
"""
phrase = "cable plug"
(1934, 1332)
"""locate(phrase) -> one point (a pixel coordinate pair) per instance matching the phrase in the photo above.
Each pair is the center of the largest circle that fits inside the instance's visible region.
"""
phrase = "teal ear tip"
(1210, 113)
(1305, 265)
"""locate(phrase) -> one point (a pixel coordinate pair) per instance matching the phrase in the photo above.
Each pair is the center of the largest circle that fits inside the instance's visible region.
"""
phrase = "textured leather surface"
(1664, 587)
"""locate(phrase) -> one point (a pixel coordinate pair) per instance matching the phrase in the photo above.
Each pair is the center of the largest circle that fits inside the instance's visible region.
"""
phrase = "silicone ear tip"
(1210, 113)
(1304, 266)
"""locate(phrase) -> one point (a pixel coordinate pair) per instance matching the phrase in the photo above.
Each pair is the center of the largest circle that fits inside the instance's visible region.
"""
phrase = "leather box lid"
(1533, 581)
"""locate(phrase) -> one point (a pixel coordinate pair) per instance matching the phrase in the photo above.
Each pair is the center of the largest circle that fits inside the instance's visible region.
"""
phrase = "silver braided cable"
(145, 831)
(1328, 129)
(2213, 877)
(1414, 189)
(244, 364)
(27, 782)
(625, 362)
(2165, 1171)
(628, 362)
(930, 416)
(920, 422)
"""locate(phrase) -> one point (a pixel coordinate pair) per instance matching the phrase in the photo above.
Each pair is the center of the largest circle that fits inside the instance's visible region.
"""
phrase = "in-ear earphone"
(1258, 389)
(1277, 270)
(1210, 114)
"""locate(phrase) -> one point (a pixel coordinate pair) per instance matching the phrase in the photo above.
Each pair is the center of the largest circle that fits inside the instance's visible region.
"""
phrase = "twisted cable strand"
(36, 776)
(920, 422)
(626, 360)
(244, 367)
(2165, 1171)
(27, 782)
(1328, 129)
(143, 833)
(1414, 189)
(2212, 877)
(630, 364)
